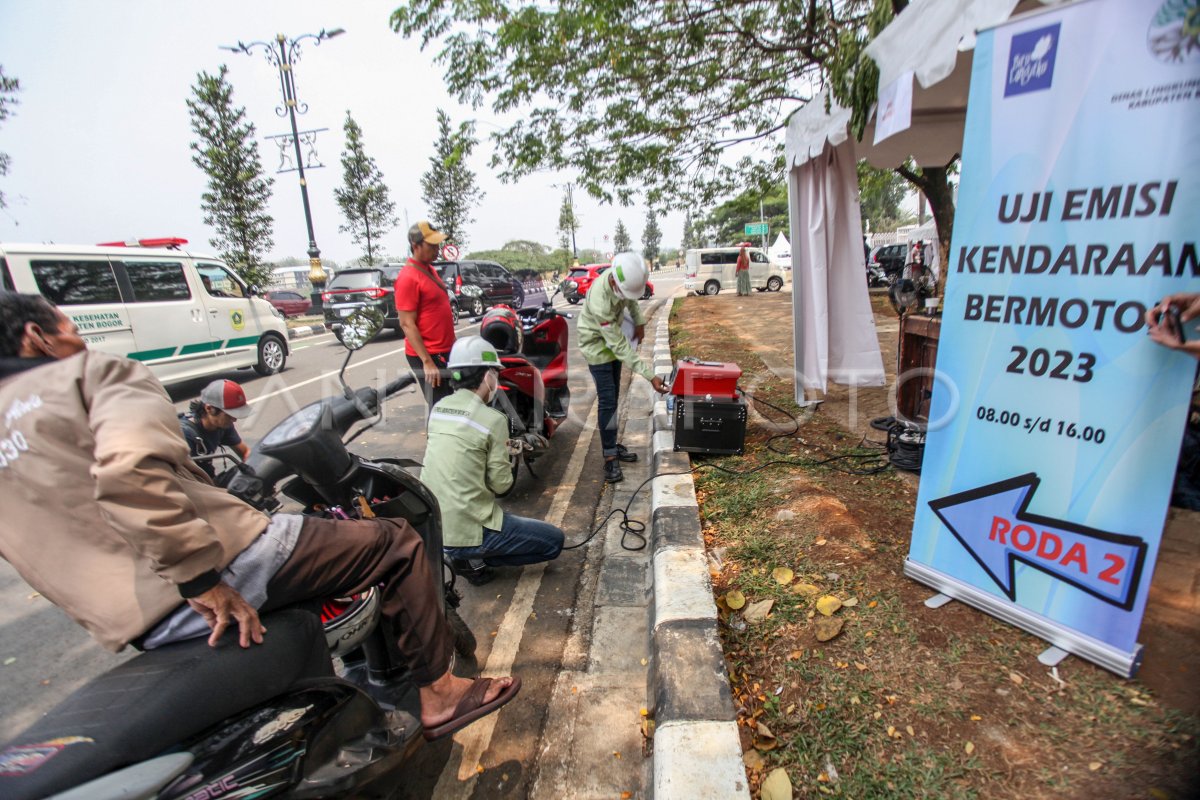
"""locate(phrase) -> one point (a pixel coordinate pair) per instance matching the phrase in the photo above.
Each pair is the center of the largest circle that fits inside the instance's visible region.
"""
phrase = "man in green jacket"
(605, 347)
(467, 465)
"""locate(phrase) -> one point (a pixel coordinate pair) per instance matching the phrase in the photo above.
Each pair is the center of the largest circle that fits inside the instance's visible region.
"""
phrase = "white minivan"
(184, 314)
(711, 269)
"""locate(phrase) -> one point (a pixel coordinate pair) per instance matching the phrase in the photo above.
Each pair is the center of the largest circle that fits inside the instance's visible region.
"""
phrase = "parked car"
(362, 287)
(891, 258)
(711, 269)
(583, 277)
(289, 303)
(477, 285)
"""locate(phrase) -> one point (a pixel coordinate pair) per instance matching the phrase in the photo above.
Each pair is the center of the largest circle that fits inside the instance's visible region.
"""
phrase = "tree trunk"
(934, 183)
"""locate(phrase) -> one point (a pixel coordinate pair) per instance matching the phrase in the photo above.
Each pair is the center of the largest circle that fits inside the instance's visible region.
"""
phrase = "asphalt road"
(521, 625)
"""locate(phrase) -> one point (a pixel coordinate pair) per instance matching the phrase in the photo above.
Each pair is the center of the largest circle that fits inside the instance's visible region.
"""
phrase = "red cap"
(227, 396)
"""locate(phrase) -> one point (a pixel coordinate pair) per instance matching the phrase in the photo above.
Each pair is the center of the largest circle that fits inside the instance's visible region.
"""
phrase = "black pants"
(432, 394)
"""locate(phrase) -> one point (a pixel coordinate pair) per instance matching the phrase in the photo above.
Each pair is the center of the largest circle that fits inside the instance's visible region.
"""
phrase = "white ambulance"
(711, 269)
(184, 314)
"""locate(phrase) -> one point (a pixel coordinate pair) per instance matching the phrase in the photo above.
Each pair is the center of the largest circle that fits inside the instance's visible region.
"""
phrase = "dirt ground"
(906, 701)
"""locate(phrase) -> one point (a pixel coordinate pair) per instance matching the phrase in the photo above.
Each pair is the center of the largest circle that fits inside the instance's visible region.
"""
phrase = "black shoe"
(475, 571)
(625, 455)
(612, 472)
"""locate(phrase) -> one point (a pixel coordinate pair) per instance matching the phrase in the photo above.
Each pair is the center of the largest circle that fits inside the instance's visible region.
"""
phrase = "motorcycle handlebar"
(399, 385)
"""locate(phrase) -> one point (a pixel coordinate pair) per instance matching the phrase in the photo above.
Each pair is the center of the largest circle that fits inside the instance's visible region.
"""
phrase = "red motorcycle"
(533, 395)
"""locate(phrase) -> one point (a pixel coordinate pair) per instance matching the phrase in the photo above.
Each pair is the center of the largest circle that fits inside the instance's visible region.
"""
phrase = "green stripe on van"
(151, 355)
(242, 342)
(202, 347)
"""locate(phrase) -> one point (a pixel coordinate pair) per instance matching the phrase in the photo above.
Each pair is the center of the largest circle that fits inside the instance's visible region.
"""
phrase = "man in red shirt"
(425, 316)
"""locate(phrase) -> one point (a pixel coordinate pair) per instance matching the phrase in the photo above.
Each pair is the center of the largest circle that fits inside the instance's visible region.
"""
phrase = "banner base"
(1104, 655)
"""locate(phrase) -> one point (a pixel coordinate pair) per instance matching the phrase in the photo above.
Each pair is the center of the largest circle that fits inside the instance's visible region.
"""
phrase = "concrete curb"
(697, 750)
(301, 331)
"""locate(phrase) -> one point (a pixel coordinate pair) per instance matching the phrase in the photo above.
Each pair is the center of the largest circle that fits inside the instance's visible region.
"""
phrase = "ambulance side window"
(71, 283)
(157, 280)
(220, 282)
(758, 258)
(6, 281)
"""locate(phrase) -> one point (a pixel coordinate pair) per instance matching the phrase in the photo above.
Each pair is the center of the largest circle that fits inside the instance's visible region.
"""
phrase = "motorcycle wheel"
(464, 640)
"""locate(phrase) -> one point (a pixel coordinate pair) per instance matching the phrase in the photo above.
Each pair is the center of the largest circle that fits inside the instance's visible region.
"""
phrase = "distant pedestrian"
(743, 272)
(423, 306)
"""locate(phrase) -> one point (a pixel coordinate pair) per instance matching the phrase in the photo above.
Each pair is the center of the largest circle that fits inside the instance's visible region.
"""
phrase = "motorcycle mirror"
(361, 327)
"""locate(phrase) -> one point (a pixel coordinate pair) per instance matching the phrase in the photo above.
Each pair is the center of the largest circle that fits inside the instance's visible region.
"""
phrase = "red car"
(290, 304)
(580, 279)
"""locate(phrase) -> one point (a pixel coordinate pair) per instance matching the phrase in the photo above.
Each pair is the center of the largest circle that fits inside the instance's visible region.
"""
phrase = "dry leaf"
(850, 602)
(626, 795)
(806, 589)
(1015, 678)
(909, 728)
(1095, 765)
(975, 718)
(820, 542)
(754, 760)
(783, 575)
(764, 731)
(872, 604)
(777, 786)
(828, 604)
(643, 712)
(757, 612)
(735, 599)
(970, 748)
(828, 627)
(861, 667)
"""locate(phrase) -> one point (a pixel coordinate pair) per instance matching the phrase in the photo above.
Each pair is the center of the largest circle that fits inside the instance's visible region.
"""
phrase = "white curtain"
(834, 329)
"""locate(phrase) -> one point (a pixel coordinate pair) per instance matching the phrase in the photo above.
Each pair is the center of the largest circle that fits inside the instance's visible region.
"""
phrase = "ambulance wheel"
(712, 288)
(272, 355)
(774, 283)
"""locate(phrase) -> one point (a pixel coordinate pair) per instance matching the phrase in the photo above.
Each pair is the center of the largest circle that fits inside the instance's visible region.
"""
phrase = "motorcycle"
(877, 277)
(282, 718)
(533, 395)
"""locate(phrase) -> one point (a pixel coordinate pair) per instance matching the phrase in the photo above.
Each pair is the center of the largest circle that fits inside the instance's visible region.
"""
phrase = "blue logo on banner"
(1031, 61)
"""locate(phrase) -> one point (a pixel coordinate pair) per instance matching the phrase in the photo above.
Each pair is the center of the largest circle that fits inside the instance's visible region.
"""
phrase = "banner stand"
(1111, 658)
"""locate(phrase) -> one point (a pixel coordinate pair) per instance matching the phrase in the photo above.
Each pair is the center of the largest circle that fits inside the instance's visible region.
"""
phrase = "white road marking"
(476, 738)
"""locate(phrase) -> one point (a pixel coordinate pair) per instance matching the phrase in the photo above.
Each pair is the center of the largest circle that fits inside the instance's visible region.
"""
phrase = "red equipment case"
(706, 380)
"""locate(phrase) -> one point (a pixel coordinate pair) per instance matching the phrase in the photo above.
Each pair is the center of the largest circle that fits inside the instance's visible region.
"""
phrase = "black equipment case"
(710, 426)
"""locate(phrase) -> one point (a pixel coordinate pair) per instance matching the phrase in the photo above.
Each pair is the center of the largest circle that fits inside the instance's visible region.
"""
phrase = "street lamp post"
(283, 54)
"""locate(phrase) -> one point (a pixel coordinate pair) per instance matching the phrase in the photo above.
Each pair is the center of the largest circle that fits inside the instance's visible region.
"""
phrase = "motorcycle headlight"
(471, 290)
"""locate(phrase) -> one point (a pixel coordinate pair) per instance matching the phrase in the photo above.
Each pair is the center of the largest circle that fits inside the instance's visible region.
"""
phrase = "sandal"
(472, 708)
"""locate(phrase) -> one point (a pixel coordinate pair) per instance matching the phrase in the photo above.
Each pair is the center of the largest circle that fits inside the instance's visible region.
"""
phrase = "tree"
(448, 188)
(651, 237)
(621, 241)
(880, 193)
(363, 196)
(688, 241)
(8, 90)
(568, 225)
(660, 96)
(728, 220)
(235, 204)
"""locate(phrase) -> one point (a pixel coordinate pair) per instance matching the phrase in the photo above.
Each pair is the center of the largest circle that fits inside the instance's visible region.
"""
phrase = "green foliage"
(363, 196)
(448, 188)
(689, 240)
(880, 193)
(568, 225)
(8, 90)
(853, 76)
(621, 241)
(727, 222)
(236, 200)
(651, 237)
(521, 254)
(635, 93)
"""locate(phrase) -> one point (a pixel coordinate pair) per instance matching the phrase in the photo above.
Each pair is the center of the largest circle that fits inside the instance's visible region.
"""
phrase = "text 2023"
(1061, 364)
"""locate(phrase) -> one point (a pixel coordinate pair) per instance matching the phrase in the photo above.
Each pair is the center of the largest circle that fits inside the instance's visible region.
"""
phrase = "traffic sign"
(609, 254)
(450, 252)
(756, 228)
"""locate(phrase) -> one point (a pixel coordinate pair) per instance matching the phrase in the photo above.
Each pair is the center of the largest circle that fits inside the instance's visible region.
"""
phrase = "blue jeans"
(519, 541)
(608, 394)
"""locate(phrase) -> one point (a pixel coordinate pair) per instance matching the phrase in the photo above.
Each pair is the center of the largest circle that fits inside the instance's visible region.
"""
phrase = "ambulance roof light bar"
(169, 242)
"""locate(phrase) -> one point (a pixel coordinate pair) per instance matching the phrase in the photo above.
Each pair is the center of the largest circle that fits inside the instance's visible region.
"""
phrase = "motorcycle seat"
(146, 705)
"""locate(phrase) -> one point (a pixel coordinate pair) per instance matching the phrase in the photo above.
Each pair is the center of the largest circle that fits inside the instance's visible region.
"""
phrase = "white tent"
(781, 251)
(930, 41)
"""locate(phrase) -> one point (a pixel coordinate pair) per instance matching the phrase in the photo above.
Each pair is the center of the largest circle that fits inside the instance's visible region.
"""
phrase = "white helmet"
(472, 351)
(630, 271)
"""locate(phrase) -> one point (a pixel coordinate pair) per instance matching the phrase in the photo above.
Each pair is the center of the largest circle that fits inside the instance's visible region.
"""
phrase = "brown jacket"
(101, 508)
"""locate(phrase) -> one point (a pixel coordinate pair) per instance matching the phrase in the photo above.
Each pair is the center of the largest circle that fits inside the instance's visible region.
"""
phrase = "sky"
(100, 139)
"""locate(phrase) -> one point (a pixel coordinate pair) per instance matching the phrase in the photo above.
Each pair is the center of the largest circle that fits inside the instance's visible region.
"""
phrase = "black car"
(477, 285)
(362, 287)
(891, 258)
